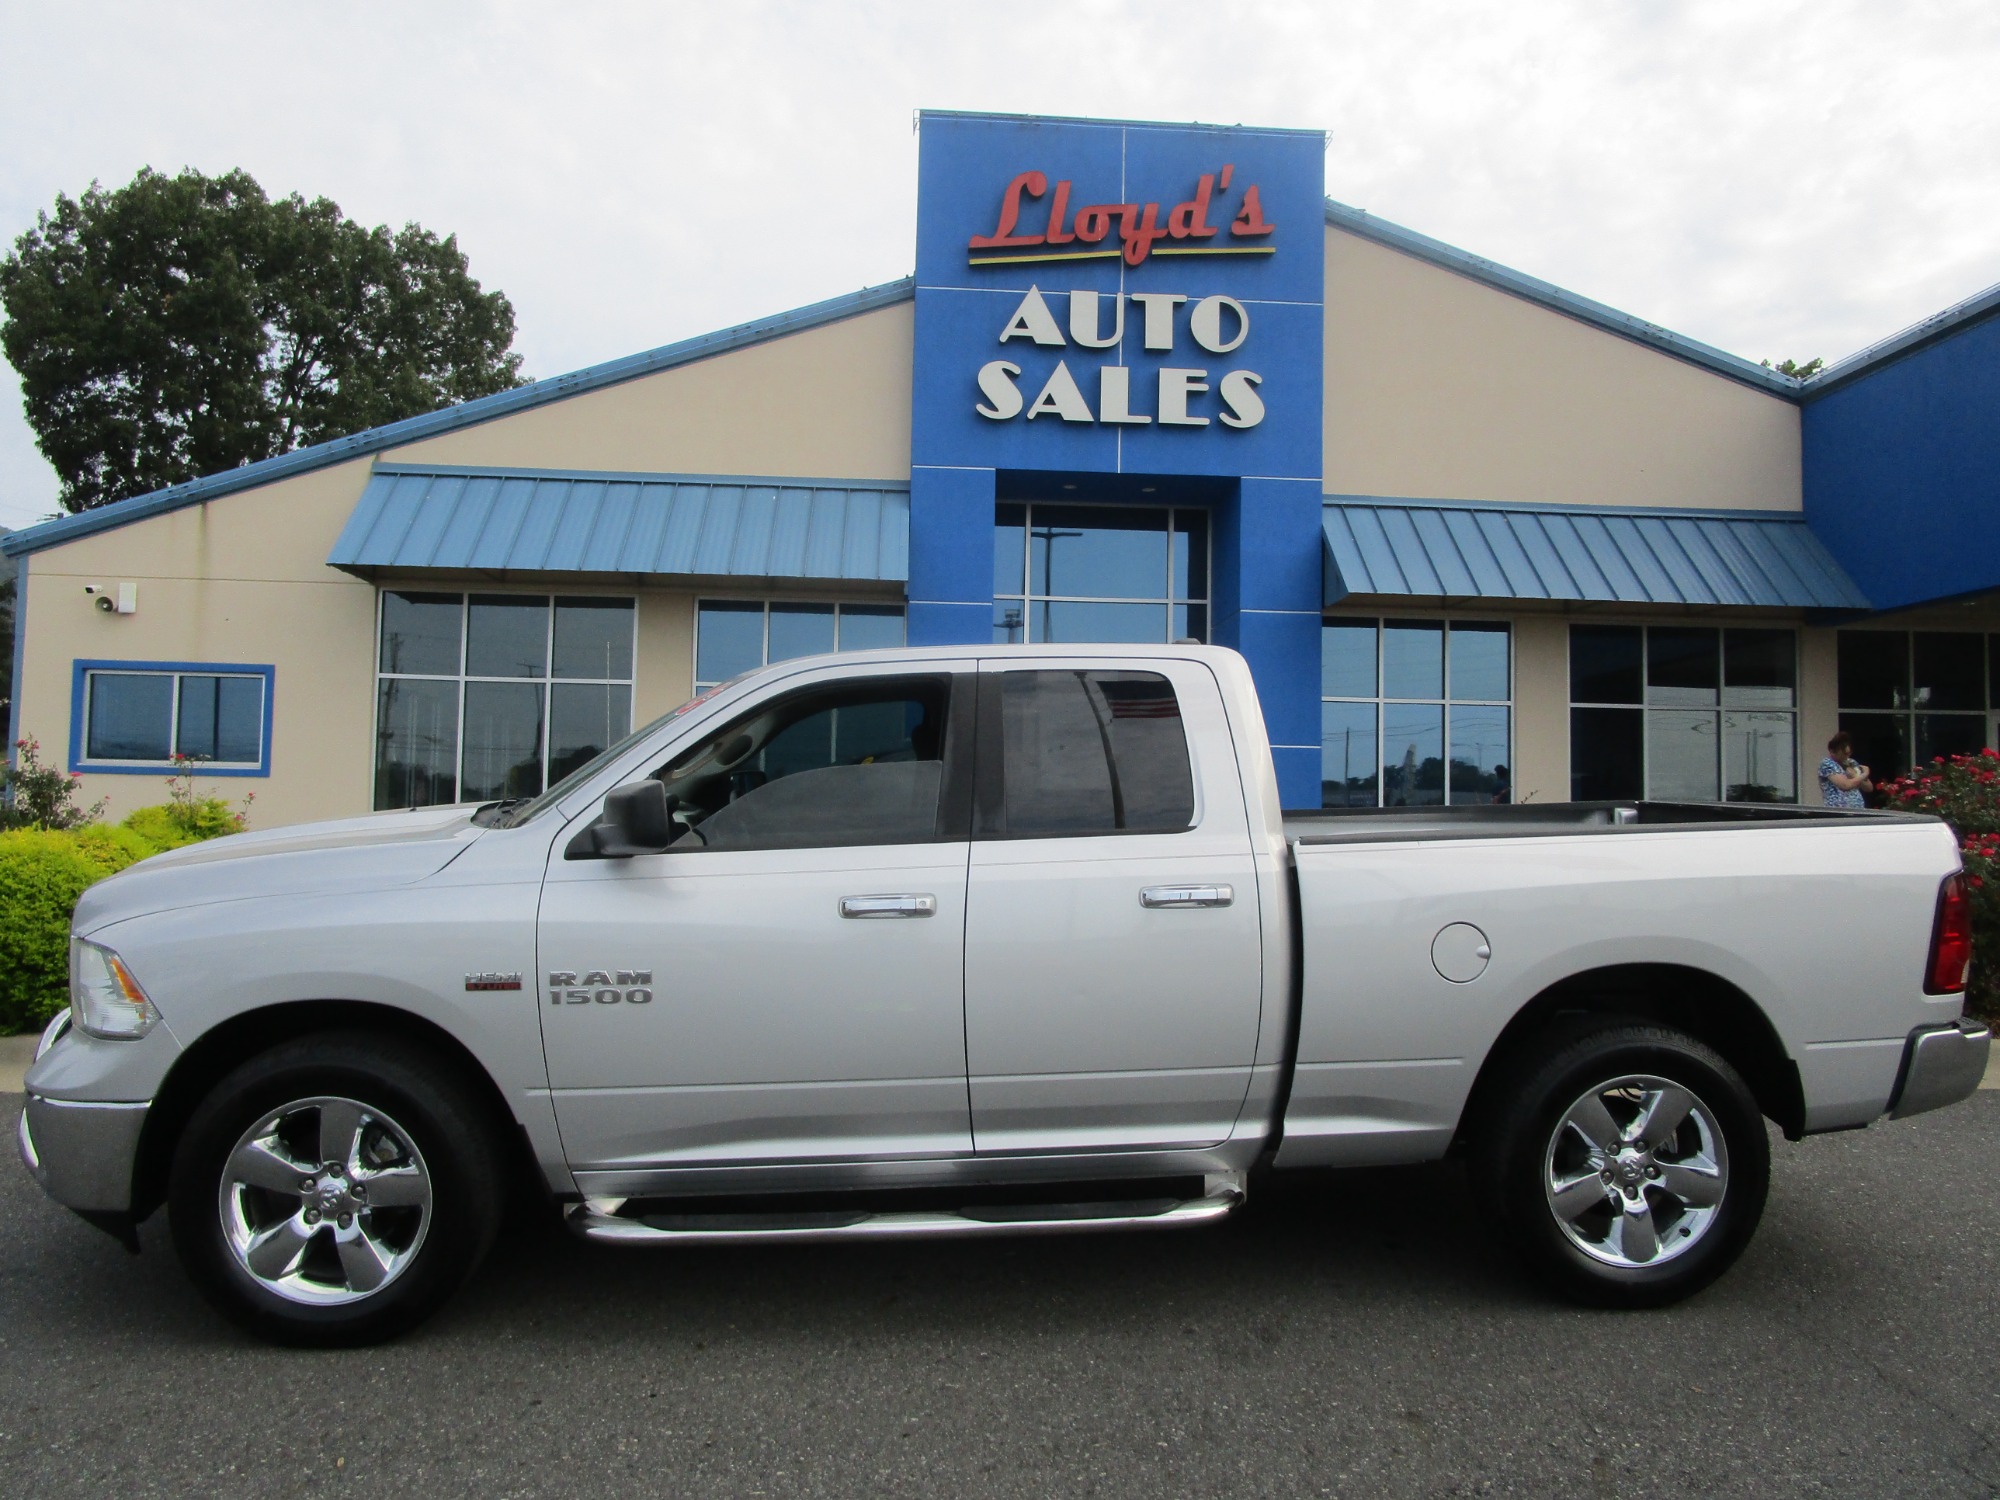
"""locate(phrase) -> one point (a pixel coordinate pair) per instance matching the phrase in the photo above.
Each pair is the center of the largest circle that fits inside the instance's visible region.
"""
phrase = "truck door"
(1113, 948)
(784, 984)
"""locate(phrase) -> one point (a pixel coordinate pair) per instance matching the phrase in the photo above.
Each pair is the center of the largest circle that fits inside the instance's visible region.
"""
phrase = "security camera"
(90, 588)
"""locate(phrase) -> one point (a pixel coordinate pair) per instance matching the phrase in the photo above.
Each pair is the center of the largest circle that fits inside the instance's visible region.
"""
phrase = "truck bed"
(1369, 825)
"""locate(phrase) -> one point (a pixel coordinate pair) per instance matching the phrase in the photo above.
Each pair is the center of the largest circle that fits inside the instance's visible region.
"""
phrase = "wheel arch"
(1704, 1005)
(204, 1064)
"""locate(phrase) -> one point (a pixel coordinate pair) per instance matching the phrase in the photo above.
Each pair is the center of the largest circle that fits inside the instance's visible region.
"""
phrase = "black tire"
(420, 1122)
(1525, 1154)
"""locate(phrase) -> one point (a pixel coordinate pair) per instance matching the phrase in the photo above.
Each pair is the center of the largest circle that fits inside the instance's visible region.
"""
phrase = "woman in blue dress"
(1843, 782)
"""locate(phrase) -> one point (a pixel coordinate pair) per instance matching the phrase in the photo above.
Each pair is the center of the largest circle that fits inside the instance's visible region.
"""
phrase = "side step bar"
(604, 1219)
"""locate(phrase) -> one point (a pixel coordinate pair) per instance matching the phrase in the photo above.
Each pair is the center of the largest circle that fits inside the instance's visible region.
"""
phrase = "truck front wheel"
(335, 1190)
(1628, 1168)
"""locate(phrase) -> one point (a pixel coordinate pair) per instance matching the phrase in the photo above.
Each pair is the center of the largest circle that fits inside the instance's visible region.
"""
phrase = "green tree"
(180, 326)
(1796, 370)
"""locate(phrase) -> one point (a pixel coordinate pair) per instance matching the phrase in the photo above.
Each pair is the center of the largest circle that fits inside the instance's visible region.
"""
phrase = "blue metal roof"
(451, 418)
(548, 521)
(1481, 551)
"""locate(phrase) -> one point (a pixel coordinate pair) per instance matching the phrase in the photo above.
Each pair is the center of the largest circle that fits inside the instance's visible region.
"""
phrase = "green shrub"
(42, 872)
(44, 867)
(169, 825)
(1964, 790)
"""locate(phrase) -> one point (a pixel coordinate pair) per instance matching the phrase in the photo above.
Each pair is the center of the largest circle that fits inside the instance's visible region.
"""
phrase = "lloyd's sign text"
(1140, 228)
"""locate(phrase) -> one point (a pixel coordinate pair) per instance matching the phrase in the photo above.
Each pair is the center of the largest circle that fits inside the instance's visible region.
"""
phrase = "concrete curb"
(16, 1052)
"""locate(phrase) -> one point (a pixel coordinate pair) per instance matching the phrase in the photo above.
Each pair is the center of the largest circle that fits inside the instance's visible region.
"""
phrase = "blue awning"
(1524, 552)
(536, 521)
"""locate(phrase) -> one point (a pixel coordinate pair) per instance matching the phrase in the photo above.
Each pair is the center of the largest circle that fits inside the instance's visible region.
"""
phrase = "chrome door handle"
(1187, 895)
(888, 906)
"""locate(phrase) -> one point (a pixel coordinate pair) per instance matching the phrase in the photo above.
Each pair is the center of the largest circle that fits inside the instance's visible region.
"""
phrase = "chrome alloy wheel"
(1636, 1171)
(325, 1201)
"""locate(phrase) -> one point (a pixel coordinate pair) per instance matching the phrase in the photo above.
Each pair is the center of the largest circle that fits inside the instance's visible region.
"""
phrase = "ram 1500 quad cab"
(964, 941)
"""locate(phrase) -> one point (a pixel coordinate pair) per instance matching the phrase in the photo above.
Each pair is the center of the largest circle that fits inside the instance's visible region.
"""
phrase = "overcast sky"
(1779, 179)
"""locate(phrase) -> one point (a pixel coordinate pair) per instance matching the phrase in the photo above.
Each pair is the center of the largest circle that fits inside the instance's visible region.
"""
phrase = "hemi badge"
(493, 981)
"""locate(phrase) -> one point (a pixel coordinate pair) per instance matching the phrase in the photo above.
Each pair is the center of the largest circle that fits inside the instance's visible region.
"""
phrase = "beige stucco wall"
(830, 402)
(240, 579)
(1541, 708)
(1440, 387)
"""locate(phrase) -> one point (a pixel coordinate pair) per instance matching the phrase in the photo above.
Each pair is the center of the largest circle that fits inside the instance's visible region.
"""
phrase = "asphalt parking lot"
(1345, 1335)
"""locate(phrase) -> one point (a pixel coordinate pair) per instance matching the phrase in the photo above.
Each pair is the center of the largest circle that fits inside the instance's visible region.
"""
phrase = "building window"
(484, 696)
(1909, 697)
(1070, 573)
(1415, 713)
(133, 717)
(1683, 713)
(734, 636)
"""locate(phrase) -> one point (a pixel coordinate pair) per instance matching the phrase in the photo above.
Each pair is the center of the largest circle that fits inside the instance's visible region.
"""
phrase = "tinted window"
(832, 766)
(1759, 668)
(1606, 753)
(506, 635)
(1479, 662)
(1413, 659)
(131, 716)
(594, 638)
(1683, 667)
(1874, 669)
(416, 742)
(221, 718)
(420, 633)
(1605, 663)
(1950, 671)
(1093, 752)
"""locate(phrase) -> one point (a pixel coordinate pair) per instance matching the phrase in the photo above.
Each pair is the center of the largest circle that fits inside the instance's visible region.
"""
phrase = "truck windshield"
(513, 813)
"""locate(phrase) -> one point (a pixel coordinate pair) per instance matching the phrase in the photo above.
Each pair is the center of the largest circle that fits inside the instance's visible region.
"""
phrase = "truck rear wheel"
(335, 1190)
(1628, 1168)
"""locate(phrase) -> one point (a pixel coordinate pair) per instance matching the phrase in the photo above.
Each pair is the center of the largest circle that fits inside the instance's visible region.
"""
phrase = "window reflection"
(1076, 573)
(1432, 726)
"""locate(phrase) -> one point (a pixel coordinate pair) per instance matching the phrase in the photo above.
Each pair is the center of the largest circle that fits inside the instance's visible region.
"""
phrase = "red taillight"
(1951, 940)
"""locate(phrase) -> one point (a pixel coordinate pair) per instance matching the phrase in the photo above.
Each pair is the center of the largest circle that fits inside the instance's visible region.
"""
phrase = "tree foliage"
(180, 326)
(1797, 370)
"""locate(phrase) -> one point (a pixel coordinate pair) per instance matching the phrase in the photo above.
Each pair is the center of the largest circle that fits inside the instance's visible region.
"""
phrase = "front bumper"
(1941, 1065)
(83, 1154)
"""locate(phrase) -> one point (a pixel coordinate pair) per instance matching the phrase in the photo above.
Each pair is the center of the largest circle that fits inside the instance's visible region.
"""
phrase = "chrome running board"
(607, 1219)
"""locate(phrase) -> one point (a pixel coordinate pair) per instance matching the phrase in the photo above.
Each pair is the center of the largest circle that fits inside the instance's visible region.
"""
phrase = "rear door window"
(1084, 752)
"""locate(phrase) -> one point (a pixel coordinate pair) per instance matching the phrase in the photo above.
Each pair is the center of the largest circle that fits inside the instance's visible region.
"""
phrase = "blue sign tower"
(1113, 313)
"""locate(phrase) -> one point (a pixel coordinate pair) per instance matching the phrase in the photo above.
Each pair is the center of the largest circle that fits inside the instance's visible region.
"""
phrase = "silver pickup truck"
(963, 941)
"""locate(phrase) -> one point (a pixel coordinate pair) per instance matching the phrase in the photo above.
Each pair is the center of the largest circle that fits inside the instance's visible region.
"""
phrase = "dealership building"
(1481, 539)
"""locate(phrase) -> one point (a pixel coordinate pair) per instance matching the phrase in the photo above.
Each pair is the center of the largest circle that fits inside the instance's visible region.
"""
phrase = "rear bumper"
(83, 1154)
(1941, 1065)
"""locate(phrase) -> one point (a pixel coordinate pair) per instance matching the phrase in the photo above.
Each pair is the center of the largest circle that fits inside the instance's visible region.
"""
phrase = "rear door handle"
(1187, 895)
(888, 906)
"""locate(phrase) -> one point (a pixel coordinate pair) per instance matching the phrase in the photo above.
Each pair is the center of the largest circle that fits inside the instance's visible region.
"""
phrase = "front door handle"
(888, 906)
(1186, 895)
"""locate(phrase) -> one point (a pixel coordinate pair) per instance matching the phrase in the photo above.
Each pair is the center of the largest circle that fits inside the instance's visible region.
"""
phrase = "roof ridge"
(1904, 341)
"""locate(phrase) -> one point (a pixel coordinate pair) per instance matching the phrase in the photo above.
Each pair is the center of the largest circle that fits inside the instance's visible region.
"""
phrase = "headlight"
(104, 999)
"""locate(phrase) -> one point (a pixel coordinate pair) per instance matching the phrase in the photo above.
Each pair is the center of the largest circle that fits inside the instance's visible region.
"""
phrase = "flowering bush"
(187, 817)
(33, 795)
(1964, 790)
